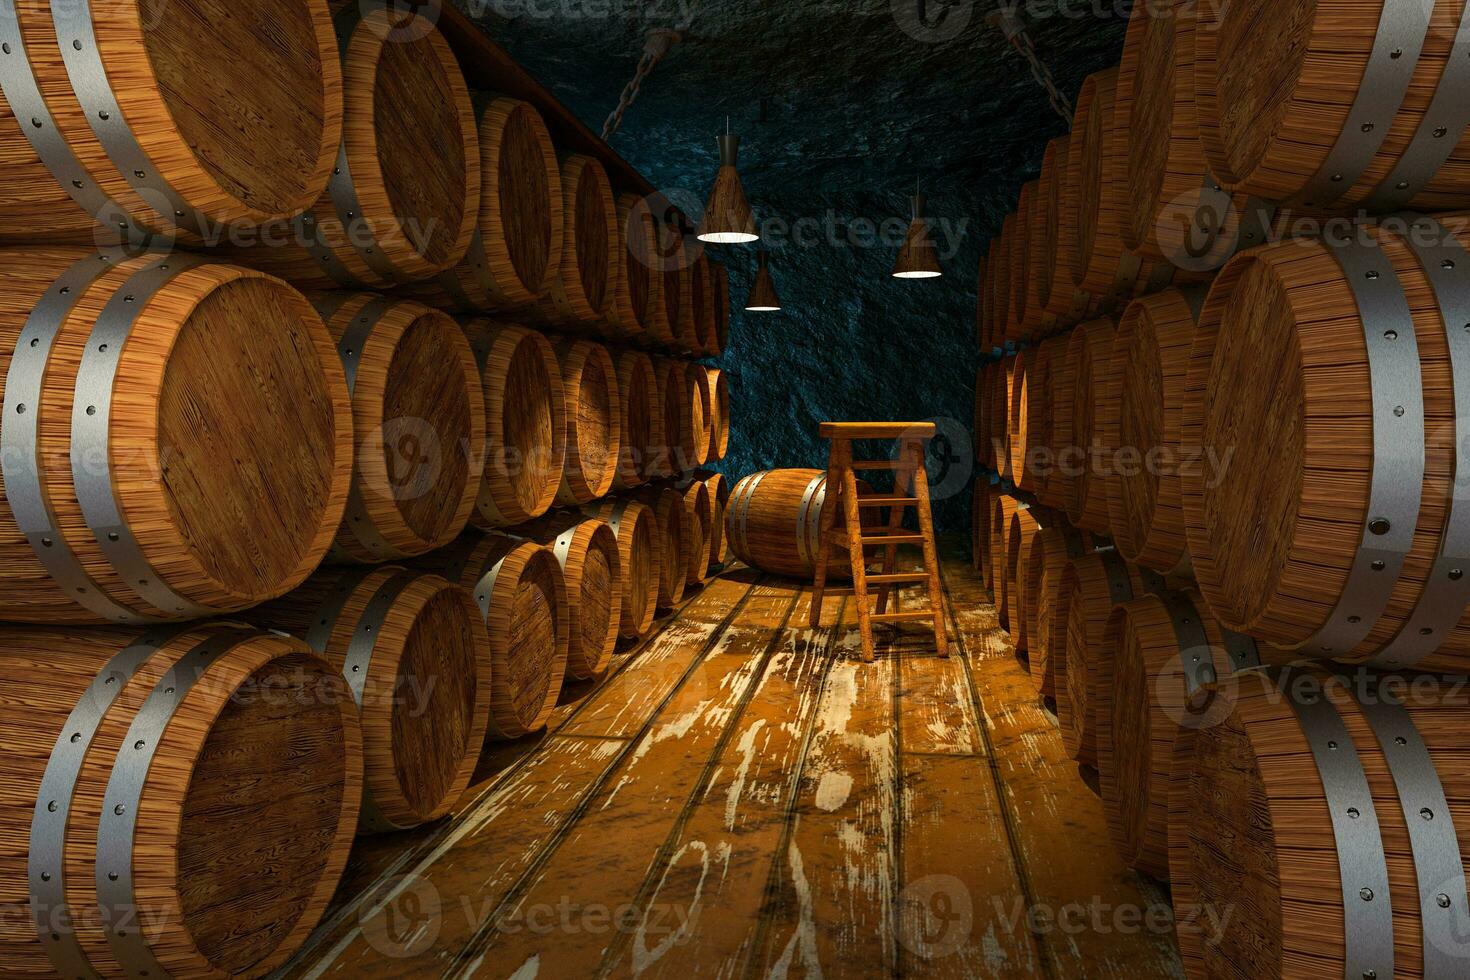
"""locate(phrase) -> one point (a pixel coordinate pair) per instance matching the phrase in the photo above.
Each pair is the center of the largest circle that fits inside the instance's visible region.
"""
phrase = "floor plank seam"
(480, 941)
(793, 804)
(697, 790)
(1023, 876)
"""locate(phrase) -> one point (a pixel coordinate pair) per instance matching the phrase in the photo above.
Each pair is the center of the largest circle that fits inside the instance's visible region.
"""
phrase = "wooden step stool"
(910, 489)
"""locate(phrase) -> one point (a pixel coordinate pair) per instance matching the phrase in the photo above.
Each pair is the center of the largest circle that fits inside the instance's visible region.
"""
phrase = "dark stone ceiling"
(840, 109)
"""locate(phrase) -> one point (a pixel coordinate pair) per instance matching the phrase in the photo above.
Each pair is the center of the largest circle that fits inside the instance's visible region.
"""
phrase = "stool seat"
(877, 430)
(910, 491)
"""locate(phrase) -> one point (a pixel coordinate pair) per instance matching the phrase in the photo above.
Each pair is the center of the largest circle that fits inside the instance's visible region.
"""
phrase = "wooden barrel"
(670, 519)
(594, 415)
(1158, 651)
(1298, 894)
(525, 422)
(719, 400)
(683, 430)
(1037, 322)
(636, 528)
(591, 562)
(234, 843)
(697, 377)
(1032, 448)
(1001, 512)
(1172, 214)
(1000, 314)
(1271, 114)
(404, 199)
(524, 606)
(699, 517)
(678, 287)
(1151, 360)
(719, 498)
(1091, 586)
(417, 407)
(1062, 303)
(1025, 522)
(1105, 267)
(585, 282)
(773, 520)
(702, 305)
(417, 661)
(1017, 406)
(639, 307)
(1055, 488)
(1298, 429)
(641, 420)
(210, 483)
(274, 64)
(1020, 254)
(1000, 413)
(1091, 458)
(1052, 550)
(516, 249)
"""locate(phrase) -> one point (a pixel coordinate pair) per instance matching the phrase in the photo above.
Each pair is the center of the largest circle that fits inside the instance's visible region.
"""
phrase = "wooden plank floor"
(742, 797)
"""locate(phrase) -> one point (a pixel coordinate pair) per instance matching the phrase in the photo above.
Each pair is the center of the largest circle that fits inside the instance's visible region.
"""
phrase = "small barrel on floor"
(774, 519)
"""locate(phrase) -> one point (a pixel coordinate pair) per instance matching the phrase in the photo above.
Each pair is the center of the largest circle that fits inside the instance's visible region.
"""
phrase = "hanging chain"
(657, 44)
(1009, 23)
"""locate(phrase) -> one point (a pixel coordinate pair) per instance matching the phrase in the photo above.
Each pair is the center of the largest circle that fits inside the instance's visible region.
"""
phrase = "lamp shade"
(763, 298)
(727, 218)
(917, 258)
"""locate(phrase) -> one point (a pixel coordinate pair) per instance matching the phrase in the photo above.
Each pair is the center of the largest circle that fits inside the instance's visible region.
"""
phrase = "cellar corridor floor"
(742, 797)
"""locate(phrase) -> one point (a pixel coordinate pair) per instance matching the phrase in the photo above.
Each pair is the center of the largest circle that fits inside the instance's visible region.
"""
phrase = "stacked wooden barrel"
(285, 304)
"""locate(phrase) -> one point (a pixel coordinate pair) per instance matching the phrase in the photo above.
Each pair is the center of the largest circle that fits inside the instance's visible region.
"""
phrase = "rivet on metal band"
(1241, 650)
(340, 188)
(1362, 866)
(99, 104)
(356, 517)
(18, 81)
(1196, 656)
(116, 887)
(358, 664)
(1398, 445)
(1445, 119)
(1438, 866)
(20, 439)
(1402, 27)
(46, 855)
(1447, 590)
(91, 423)
(1120, 586)
(485, 584)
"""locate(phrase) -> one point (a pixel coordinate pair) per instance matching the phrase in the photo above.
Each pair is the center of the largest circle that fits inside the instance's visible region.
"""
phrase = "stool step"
(880, 540)
(900, 617)
(899, 578)
(882, 501)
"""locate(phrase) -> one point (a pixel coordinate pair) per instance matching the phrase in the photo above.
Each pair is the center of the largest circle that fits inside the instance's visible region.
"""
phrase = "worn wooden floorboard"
(1092, 916)
(742, 797)
(583, 900)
